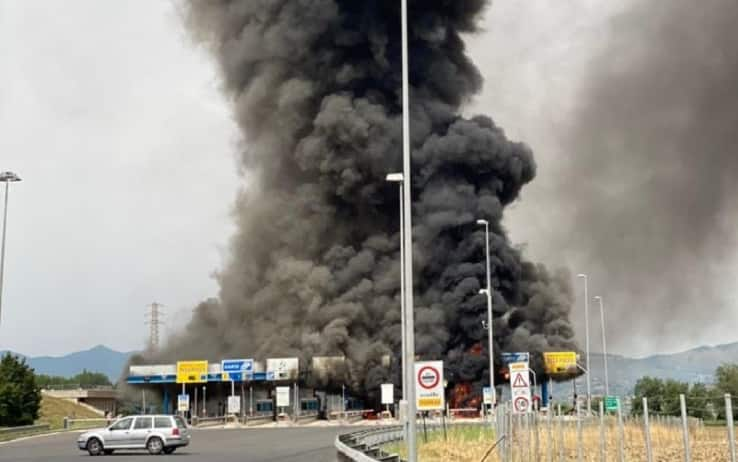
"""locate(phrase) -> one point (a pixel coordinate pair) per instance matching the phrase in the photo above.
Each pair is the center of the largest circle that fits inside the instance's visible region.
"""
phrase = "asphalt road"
(314, 444)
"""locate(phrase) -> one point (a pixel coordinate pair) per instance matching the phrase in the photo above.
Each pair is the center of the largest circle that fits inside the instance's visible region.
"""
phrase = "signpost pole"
(411, 424)
(251, 400)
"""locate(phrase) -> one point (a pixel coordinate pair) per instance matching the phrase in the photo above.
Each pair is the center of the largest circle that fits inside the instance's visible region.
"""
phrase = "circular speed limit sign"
(521, 404)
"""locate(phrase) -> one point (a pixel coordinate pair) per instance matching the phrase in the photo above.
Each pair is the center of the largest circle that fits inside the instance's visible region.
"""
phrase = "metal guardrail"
(70, 424)
(366, 445)
(24, 429)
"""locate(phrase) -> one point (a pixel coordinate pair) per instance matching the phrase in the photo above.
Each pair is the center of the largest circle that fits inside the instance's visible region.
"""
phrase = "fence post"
(529, 430)
(535, 436)
(561, 436)
(685, 427)
(647, 430)
(502, 430)
(511, 432)
(549, 446)
(729, 423)
(602, 431)
(580, 455)
(621, 434)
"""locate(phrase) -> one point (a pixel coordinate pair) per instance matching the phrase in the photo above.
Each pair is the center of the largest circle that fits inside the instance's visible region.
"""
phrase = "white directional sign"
(487, 395)
(283, 396)
(388, 393)
(520, 387)
(183, 403)
(282, 368)
(429, 393)
(234, 404)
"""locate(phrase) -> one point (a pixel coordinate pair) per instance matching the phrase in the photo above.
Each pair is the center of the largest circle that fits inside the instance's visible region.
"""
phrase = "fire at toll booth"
(271, 389)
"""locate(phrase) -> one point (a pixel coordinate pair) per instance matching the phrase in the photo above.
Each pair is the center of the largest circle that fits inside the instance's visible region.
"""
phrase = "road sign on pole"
(192, 371)
(234, 404)
(388, 393)
(429, 385)
(487, 395)
(237, 370)
(283, 396)
(519, 357)
(520, 387)
(611, 403)
(183, 403)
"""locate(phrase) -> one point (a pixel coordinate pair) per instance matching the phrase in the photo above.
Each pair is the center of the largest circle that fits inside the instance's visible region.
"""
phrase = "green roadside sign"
(611, 403)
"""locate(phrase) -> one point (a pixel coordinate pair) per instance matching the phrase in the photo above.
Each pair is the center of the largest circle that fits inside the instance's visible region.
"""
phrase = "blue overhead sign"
(237, 370)
(520, 357)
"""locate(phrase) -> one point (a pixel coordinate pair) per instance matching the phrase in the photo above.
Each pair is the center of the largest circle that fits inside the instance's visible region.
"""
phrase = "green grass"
(53, 411)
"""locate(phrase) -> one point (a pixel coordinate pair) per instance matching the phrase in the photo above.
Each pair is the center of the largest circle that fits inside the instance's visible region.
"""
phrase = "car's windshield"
(123, 424)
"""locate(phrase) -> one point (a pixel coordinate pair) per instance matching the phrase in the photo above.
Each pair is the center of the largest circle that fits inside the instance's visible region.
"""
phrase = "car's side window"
(162, 422)
(142, 423)
(124, 424)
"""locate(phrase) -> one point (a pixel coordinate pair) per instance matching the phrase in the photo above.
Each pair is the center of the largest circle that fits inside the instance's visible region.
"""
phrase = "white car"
(155, 433)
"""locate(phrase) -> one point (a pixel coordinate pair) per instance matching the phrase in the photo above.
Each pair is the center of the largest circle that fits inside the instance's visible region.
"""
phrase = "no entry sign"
(429, 385)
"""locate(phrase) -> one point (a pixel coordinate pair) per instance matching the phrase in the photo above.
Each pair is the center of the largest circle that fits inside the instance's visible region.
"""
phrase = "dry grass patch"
(53, 411)
(470, 444)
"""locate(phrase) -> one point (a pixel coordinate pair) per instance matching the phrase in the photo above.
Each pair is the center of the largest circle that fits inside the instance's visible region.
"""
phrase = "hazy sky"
(115, 122)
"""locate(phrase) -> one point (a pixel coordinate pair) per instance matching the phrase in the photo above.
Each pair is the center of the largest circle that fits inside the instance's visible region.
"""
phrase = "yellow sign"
(430, 403)
(192, 371)
(560, 362)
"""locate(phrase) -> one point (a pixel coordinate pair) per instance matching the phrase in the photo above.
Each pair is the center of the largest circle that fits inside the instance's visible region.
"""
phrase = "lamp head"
(9, 177)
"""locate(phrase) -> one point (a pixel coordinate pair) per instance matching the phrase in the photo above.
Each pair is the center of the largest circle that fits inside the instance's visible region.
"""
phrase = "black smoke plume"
(314, 267)
(649, 177)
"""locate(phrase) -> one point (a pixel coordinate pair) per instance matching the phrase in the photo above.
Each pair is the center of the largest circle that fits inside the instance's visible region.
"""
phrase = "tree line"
(84, 379)
(20, 389)
(702, 401)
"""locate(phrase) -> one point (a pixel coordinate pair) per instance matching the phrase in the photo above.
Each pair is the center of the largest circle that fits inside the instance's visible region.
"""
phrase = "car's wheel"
(108, 452)
(169, 450)
(94, 447)
(155, 446)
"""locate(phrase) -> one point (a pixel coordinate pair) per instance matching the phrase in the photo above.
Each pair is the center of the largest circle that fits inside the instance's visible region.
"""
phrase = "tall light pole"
(490, 326)
(604, 343)
(411, 423)
(586, 341)
(398, 178)
(7, 178)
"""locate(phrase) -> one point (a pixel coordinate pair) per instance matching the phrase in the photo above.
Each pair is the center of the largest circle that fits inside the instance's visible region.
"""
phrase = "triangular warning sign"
(519, 381)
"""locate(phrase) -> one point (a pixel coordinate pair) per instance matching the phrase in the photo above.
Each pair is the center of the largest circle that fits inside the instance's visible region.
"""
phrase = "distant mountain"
(693, 366)
(97, 359)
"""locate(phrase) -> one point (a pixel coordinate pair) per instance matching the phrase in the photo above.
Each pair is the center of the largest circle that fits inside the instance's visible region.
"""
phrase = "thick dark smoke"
(651, 174)
(314, 269)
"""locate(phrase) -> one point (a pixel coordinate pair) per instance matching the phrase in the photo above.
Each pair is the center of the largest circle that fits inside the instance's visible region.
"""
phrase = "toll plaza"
(273, 388)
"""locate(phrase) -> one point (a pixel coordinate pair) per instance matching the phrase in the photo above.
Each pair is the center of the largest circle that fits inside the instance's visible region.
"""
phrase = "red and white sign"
(429, 393)
(520, 387)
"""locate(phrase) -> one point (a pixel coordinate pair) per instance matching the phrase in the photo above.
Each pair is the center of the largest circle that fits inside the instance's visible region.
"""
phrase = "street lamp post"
(586, 341)
(490, 325)
(398, 178)
(411, 423)
(604, 343)
(7, 178)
